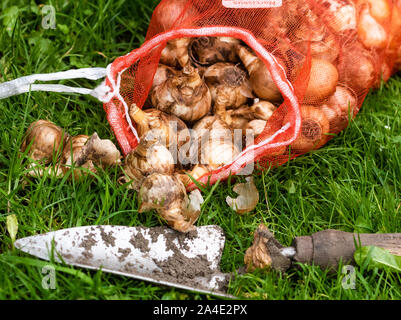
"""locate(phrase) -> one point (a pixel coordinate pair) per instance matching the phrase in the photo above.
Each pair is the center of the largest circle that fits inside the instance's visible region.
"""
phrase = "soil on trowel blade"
(107, 238)
(88, 242)
(179, 268)
(140, 242)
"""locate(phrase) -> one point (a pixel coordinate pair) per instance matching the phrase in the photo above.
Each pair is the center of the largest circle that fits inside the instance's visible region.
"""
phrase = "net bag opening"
(322, 56)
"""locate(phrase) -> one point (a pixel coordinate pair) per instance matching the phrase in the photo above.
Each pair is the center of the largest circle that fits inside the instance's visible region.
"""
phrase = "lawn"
(351, 184)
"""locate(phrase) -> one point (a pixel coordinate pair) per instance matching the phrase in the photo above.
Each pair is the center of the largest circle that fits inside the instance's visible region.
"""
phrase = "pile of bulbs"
(51, 150)
(204, 110)
(212, 96)
(50, 145)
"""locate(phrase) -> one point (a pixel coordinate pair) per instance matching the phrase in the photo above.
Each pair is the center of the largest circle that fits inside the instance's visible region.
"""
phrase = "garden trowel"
(326, 249)
(160, 255)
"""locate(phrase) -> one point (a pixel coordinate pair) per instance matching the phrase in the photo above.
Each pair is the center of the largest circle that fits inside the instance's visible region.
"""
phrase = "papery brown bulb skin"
(185, 96)
(258, 256)
(263, 110)
(326, 49)
(213, 143)
(322, 81)
(223, 73)
(175, 54)
(216, 153)
(197, 172)
(172, 13)
(163, 73)
(370, 32)
(102, 152)
(227, 97)
(228, 75)
(239, 123)
(241, 117)
(394, 34)
(147, 158)
(380, 10)
(168, 57)
(217, 147)
(73, 153)
(207, 125)
(259, 76)
(312, 34)
(170, 130)
(333, 115)
(167, 195)
(44, 140)
(256, 127)
(338, 108)
(357, 67)
(342, 15)
(346, 99)
(206, 51)
(159, 191)
(234, 97)
(314, 129)
(229, 87)
(244, 112)
(247, 199)
(251, 118)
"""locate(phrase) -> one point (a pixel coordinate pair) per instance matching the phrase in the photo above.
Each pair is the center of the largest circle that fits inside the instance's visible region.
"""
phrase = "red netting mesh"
(324, 56)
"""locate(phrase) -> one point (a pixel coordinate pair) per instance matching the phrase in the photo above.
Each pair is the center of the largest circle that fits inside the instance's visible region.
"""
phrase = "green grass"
(352, 184)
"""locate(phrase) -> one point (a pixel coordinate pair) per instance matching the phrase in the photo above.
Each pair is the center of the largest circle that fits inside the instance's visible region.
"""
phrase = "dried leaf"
(257, 256)
(248, 197)
(195, 201)
(101, 151)
(12, 226)
(266, 252)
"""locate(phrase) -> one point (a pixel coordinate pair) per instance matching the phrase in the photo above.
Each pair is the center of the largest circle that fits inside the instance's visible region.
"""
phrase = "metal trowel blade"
(160, 255)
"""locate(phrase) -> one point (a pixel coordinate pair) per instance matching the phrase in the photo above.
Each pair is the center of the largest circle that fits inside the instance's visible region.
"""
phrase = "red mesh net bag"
(311, 62)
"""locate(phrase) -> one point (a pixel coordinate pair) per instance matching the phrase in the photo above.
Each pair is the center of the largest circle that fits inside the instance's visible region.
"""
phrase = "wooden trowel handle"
(326, 248)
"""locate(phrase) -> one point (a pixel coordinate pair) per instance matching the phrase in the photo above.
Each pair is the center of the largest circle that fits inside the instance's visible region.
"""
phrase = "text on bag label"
(252, 4)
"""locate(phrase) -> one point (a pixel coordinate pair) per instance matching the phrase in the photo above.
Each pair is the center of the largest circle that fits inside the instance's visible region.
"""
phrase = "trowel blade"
(159, 255)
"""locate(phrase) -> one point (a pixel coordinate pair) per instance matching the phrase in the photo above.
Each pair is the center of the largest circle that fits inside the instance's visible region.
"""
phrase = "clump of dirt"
(140, 242)
(195, 283)
(179, 265)
(107, 238)
(87, 255)
(88, 242)
(124, 253)
(178, 268)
